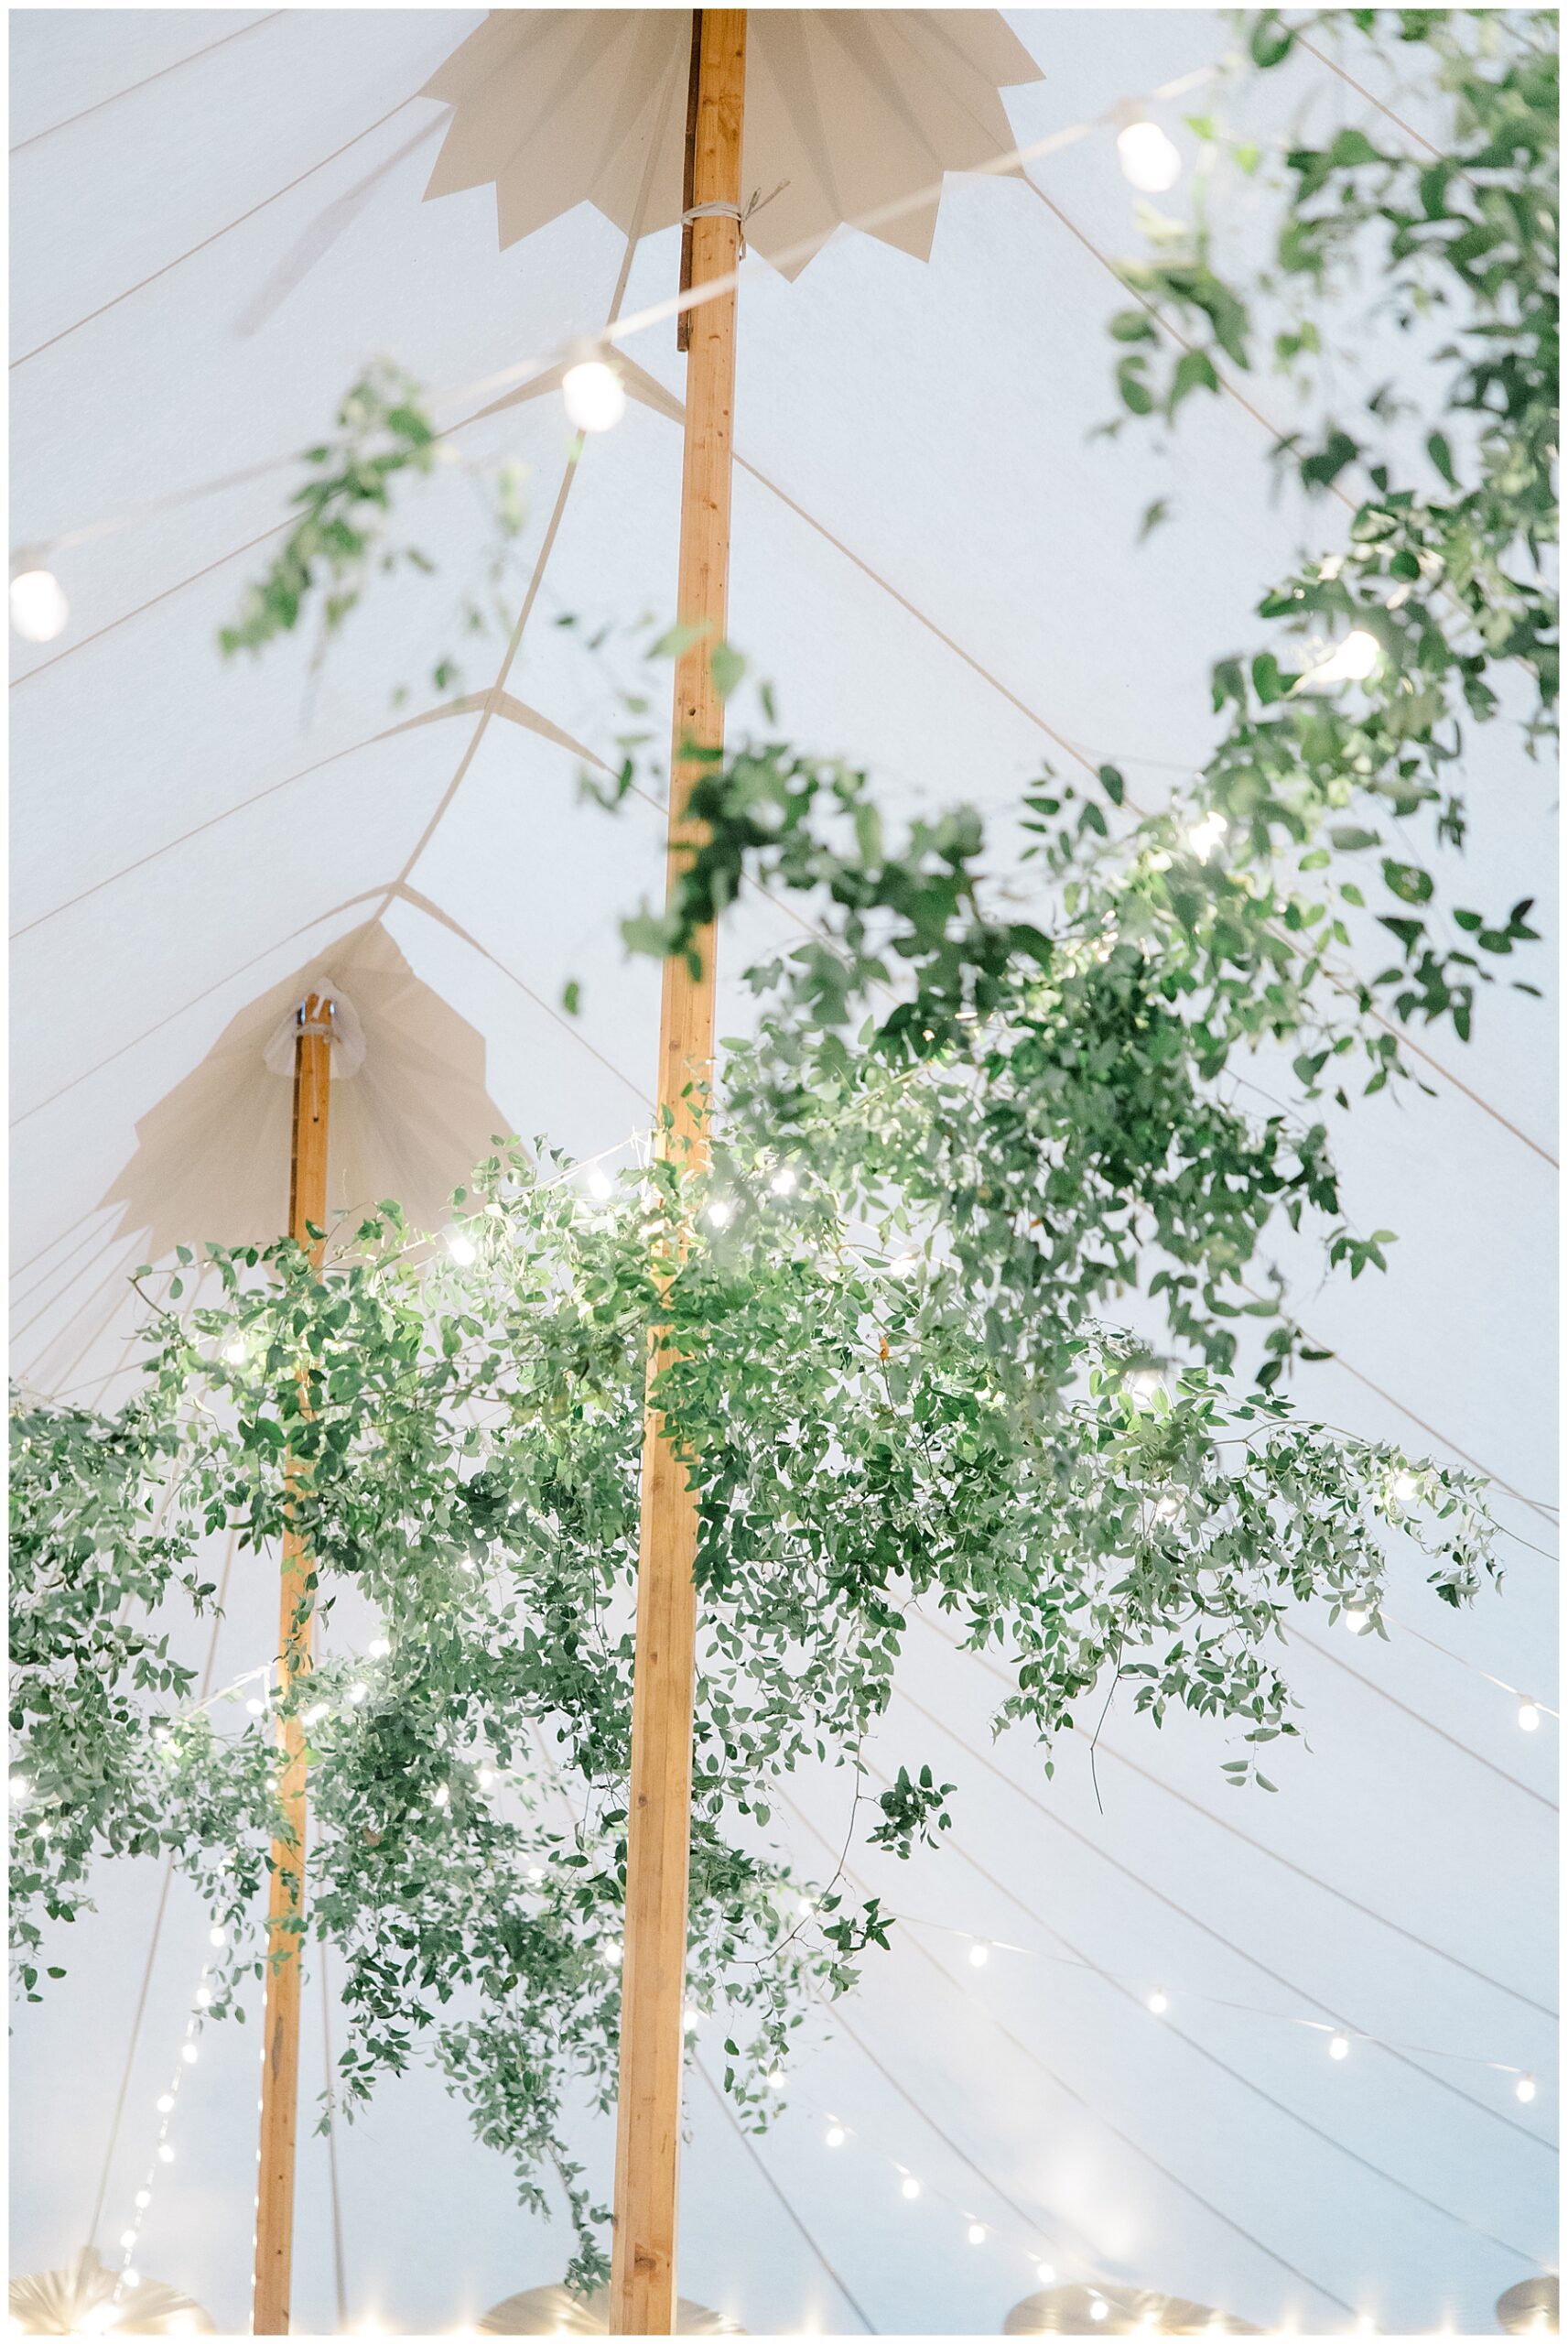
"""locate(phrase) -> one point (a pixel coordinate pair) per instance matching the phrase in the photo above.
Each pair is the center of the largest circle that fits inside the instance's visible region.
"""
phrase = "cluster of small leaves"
(455, 1434)
(1044, 1087)
(341, 538)
(1444, 567)
(103, 1537)
(471, 1930)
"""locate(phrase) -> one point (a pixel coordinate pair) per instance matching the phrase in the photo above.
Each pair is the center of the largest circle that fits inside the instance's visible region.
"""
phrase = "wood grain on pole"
(286, 1899)
(653, 1988)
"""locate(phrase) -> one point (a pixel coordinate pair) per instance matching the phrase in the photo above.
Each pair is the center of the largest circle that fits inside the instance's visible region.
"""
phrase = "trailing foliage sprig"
(1439, 576)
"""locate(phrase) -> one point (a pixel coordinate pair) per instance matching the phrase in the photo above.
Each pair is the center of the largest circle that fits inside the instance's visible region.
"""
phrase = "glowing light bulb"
(776, 2080)
(1355, 1620)
(164, 2103)
(978, 1956)
(833, 2137)
(443, 1793)
(38, 607)
(20, 1787)
(1403, 1487)
(127, 2238)
(595, 398)
(378, 1648)
(234, 1352)
(1351, 662)
(808, 1905)
(1204, 836)
(165, 2153)
(690, 2019)
(783, 1182)
(1099, 2308)
(144, 2200)
(484, 1778)
(611, 1952)
(203, 1998)
(909, 2187)
(1339, 2046)
(254, 1707)
(977, 2234)
(1143, 1383)
(1529, 1717)
(1152, 164)
(721, 1212)
(461, 1250)
(218, 1935)
(189, 2054)
(1159, 2001)
(359, 1692)
(599, 1183)
(1525, 2090)
(316, 1712)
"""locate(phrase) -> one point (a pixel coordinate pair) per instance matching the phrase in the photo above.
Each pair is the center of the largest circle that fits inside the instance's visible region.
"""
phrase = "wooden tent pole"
(642, 2286)
(286, 1899)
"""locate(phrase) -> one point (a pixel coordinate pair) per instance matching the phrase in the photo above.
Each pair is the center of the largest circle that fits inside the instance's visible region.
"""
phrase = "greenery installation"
(957, 1139)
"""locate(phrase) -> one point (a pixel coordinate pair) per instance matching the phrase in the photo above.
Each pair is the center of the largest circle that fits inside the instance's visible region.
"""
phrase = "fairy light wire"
(1098, 2115)
(1007, 163)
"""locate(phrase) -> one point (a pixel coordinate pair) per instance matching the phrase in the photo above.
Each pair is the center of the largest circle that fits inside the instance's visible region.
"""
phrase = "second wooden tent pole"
(285, 1903)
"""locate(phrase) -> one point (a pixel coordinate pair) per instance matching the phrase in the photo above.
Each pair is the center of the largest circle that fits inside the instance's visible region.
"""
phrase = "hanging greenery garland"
(965, 1129)
(458, 1441)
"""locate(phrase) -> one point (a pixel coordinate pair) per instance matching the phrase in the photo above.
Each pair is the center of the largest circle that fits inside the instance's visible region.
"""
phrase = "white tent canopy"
(218, 222)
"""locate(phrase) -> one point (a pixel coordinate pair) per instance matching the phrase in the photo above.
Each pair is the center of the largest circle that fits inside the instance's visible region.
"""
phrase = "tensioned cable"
(1185, 2188)
(63, 1270)
(1258, 1846)
(1236, 2074)
(557, 515)
(1330, 2139)
(233, 975)
(1343, 1895)
(1501, 1682)
(141, 283)
(1536, 1505)
(989, 1943)
(148, 79)
(411, 895)
(752, 2152)
(1370, 1686)
(139, 610)
(111, 1278)
(1036, 2225)
(1398, 120)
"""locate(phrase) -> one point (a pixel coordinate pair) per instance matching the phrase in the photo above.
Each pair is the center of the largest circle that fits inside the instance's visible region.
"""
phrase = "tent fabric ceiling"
(846, 111)
(217, 224)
